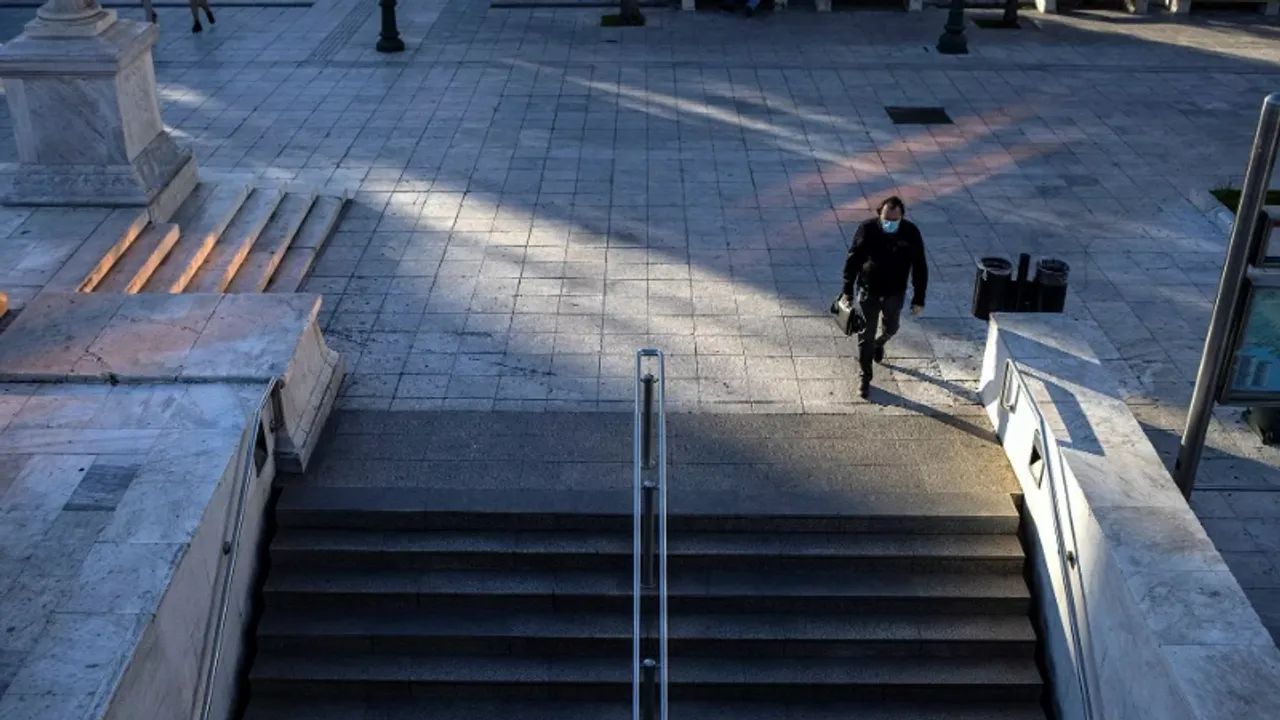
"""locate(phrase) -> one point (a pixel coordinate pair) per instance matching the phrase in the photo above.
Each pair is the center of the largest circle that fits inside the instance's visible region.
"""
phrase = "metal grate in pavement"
(918, 115)
(342, 33)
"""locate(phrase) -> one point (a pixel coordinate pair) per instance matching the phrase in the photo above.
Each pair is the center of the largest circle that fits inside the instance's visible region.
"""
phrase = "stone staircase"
(391, 598)
(224, 238)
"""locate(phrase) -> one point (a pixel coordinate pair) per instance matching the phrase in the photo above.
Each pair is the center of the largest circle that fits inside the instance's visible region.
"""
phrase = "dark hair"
(892, 202)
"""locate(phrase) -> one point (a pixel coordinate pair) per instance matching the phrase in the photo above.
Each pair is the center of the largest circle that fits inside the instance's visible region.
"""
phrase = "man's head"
(891, 211)
(891, 208)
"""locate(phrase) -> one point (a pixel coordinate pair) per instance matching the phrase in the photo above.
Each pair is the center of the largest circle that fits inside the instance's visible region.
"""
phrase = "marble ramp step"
(136, 266)
(306, 245)
(94, 258)
(261, 262)
(202, 219)
(293, 708)
(236, 241)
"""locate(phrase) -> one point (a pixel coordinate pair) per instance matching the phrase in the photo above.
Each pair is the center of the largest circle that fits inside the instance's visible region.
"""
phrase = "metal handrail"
(649, 538)
(231, 547)
(1068, 557)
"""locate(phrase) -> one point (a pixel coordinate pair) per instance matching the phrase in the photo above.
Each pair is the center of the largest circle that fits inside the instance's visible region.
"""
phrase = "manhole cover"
(918, 116)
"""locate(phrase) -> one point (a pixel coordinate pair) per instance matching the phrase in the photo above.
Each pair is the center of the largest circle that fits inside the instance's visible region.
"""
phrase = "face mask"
(890, 226)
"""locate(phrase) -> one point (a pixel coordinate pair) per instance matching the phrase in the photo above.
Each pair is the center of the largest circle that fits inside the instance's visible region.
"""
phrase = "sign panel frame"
(1259, 253)
(1231, 391)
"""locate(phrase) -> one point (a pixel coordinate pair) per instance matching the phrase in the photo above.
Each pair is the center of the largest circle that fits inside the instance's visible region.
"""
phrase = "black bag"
(848, 317)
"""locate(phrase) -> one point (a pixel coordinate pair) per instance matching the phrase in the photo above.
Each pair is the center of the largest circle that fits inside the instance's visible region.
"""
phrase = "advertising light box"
(1253, 365)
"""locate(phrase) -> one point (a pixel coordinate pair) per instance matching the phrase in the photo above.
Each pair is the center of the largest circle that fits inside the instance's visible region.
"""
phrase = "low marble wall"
(114, 506)
(166, 675)
(124, 428)
(1160, 628)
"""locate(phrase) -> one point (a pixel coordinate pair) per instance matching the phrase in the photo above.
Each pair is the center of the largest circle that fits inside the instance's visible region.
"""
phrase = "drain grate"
(918, 116)
(996, 23)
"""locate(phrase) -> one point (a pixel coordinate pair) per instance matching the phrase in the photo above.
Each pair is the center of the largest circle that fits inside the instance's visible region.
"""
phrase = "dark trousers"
(879, 311)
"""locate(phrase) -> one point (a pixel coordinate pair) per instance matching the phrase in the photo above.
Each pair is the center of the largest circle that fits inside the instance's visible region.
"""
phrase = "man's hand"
(846, 299)
(917, 309)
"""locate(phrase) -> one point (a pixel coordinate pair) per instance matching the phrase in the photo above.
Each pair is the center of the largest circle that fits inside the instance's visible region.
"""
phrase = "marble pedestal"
(82, 97)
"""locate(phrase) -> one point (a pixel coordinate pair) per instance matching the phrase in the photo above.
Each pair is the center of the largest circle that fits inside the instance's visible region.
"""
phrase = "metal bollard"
(389, 38)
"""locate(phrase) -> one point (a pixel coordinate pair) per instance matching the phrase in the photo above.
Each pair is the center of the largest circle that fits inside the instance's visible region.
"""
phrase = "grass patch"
(1231, 197)
(619, 20)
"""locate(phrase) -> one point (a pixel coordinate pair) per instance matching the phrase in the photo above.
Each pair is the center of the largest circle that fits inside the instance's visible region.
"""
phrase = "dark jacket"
(880, 261)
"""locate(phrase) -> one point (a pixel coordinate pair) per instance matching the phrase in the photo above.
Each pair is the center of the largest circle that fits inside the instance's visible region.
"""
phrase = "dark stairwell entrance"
(467, 566)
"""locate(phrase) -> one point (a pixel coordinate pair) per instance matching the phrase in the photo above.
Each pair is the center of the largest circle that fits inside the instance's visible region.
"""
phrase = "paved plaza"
(536, 197)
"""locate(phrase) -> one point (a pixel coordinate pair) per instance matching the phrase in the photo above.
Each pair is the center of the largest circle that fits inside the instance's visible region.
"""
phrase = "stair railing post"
(648, 702)
(649, 542)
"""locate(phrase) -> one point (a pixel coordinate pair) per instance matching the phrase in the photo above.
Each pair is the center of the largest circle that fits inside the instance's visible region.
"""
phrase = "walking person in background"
(885, 252)
(196, 5)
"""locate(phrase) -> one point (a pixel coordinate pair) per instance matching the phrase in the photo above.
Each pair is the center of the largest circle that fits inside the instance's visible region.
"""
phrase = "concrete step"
(236, 241)
(306, 245)
(269, 250)
(808, 679)
(94, 258)
(469, 632)
(267, 708)
(139, 262)
(732, 428)
(203, 217)
(594, 550)
(689, 591)
(689, 510)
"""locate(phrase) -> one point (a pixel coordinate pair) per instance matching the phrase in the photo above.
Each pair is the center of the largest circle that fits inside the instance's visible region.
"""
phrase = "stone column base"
(87, 120)
(159, 179)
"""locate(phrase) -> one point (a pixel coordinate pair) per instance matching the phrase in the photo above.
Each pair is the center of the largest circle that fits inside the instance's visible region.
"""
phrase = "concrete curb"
(1212, 209)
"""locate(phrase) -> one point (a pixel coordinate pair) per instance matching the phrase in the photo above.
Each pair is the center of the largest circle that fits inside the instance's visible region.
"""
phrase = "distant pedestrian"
(885, 251)
(196, 5)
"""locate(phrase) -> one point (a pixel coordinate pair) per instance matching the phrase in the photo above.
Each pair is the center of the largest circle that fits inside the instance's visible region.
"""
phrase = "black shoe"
(209, 14)
(864, 390)
(879, 354)
(197, 28)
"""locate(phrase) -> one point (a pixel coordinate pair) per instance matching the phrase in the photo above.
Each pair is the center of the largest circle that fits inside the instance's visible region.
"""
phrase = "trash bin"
(990, 286)
(1051, 281)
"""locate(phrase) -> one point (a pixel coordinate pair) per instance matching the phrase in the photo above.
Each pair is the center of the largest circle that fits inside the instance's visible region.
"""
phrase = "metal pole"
(1020, 290)
(389, 40)
(953, 40)
(1227, 305)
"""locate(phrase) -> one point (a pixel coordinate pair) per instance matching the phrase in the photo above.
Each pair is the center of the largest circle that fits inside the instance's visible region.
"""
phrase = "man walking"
(885, 251)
